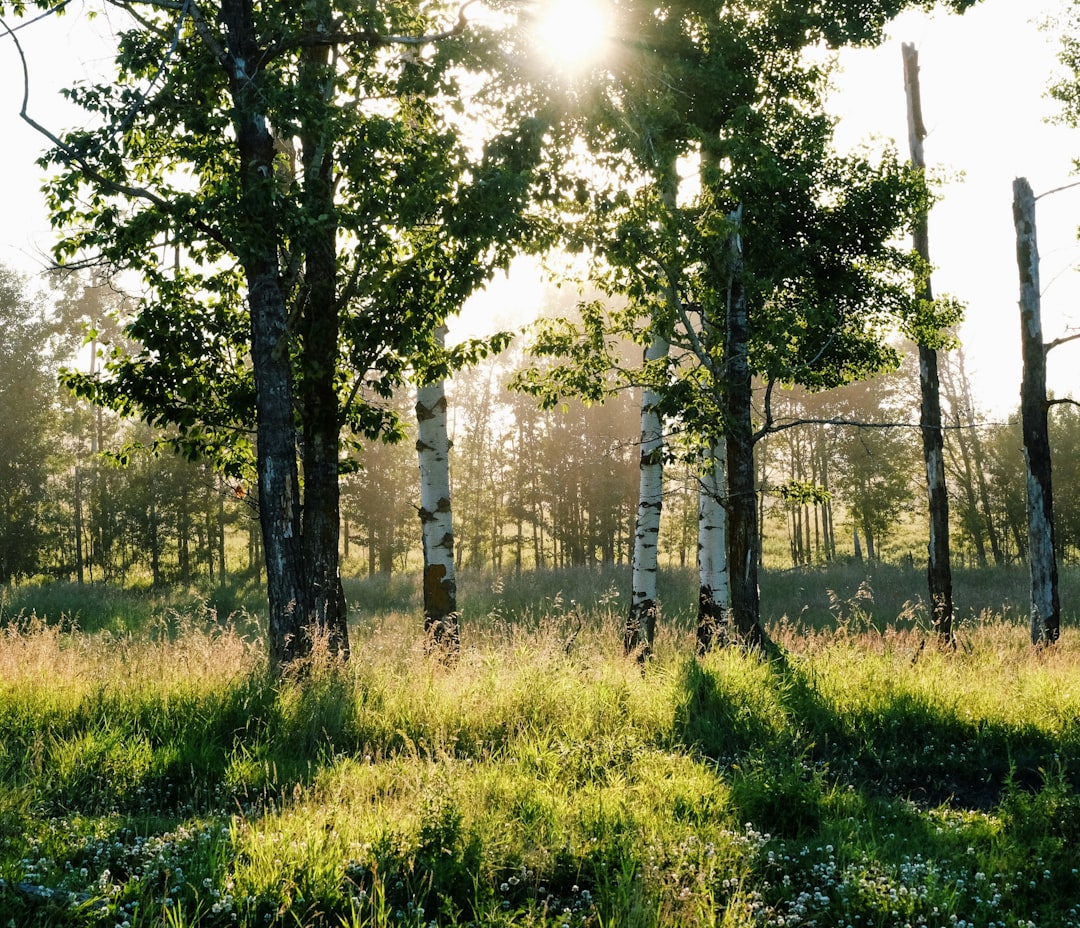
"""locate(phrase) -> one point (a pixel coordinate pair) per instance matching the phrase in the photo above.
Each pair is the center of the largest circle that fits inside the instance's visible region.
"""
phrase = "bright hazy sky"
(983, 78)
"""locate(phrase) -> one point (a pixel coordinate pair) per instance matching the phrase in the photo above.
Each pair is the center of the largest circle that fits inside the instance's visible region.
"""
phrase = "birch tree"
(806, 286)
(713, 585)
(645, 567)
(276, 154)
(441, 626)
(1042, 553)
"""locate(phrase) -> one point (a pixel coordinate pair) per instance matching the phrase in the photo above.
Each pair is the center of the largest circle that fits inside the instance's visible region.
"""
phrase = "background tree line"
(89, 496)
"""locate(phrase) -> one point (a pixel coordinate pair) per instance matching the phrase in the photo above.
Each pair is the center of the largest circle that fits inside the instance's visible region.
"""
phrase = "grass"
(158, 776)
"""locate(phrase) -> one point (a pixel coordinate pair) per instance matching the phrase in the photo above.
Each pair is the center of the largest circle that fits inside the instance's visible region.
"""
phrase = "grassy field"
(152, 774)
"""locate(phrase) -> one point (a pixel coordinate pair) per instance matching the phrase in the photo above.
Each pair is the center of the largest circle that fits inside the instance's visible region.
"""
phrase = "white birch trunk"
(436, 517)
(712, 550)
(641, 623)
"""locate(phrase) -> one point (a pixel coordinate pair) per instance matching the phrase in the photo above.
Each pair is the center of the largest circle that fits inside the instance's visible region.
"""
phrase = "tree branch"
(785, 424)
(71, 156)
(1061, 341)
(1058, 190)
(334, 37)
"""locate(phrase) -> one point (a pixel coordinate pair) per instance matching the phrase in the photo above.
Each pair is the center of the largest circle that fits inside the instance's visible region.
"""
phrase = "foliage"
(29, 424)
(409, 212)
(861, 779)
(826, 280)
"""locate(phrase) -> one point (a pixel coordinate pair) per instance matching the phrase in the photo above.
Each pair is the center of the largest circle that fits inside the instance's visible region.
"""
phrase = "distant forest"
(90, 496)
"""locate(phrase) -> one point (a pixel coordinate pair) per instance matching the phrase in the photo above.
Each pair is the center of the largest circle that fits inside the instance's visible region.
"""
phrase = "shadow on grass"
(900, 746)
(897, 788)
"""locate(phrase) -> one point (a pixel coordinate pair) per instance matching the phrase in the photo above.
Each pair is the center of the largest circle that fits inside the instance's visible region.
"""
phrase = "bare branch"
(785, 424)
(1064, 340)
(767, 426)
(71, 156)
(1058, 190)
(1066, 400)
(208, 37)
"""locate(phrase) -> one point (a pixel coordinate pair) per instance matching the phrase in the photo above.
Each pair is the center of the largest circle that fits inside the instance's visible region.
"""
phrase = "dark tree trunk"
(154, 526)
(279, 499)
(80, 571)
(939, 568)
(318, 390)
(183, 535)
(220, 538)
(742, 523)
(1045, 603)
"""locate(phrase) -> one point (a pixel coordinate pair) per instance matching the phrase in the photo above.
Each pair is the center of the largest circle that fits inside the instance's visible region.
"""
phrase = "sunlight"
(572, 33)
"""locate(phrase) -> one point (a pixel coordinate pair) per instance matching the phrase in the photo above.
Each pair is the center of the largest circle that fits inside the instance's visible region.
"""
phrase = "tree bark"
(739, 432)
(641, 621)
(279, 500)
(712, 552)
(319, 332)
(80, 571)
(441, 625)
(1045, 603)
(939, 568)
(972, 445)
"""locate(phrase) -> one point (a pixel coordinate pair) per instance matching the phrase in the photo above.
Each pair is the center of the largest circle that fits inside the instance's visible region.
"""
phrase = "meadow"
(153, 774)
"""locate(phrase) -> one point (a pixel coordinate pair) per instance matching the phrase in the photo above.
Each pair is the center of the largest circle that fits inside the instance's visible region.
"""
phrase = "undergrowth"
(161, 777)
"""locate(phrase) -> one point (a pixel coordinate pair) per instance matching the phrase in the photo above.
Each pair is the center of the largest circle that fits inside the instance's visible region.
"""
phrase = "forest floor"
(153, 774)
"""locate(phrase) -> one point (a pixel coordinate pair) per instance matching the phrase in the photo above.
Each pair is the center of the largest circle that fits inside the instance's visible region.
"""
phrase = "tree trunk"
(80, 571)
(641, 622)
(319, 332)
(183, 534)
(279, 500)
(939, 568)
(965, 476)
(441, 624)
(219, 537)
(712, 552)
(980, 467)
(742, 523)
(1045, 603)
(154, 530)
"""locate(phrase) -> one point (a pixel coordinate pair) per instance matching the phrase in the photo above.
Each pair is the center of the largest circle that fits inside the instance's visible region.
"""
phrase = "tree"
(441, 624)
(875, 457)
(788, 250)
(641, 621)
(939, 568)
(1042, 554)
(28, 428)
(277, 153)
(378, 496)
(969, 462)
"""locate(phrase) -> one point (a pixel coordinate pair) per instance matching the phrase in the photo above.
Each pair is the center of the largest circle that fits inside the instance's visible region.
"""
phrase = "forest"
(710, 596)
(93, 497)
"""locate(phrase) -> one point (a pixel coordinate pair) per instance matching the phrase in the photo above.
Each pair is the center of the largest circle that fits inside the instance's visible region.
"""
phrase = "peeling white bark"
(712, 549)
(1045, 598)
(641, 623)
(436, 514)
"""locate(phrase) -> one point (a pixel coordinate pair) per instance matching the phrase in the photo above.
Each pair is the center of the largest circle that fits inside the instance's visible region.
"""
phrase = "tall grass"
(163, 778)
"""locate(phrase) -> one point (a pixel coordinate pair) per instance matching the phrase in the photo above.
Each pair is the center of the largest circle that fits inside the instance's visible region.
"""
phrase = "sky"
(983, 80)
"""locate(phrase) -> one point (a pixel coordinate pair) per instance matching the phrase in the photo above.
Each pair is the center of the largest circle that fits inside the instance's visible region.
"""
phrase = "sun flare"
(573, 33)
